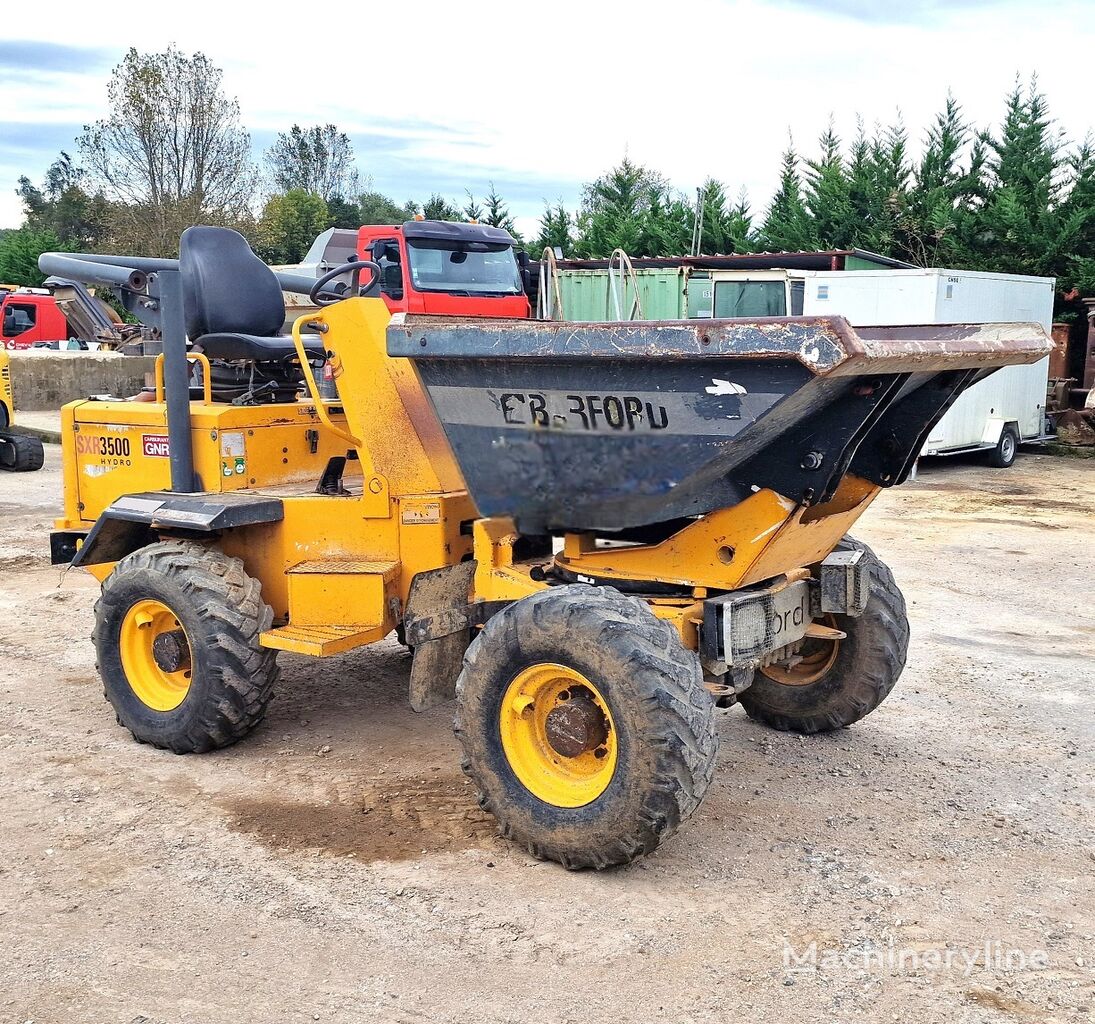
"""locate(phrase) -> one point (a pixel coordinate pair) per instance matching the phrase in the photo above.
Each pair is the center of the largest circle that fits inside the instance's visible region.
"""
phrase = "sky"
(442, 96)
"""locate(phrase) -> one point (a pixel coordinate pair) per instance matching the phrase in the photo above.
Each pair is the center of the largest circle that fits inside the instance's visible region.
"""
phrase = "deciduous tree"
(289, 224)
(318, 159)
(171, 151)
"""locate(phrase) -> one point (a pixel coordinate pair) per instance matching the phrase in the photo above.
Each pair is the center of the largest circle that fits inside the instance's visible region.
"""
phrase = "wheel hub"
(171, 651)
(155, 655)
(558, 735)
(576, 727)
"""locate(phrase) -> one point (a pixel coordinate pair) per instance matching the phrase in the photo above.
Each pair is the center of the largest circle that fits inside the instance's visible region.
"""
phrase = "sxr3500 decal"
(97, 444)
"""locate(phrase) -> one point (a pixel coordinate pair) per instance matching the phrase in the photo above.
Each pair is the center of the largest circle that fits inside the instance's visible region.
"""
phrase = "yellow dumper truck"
(590, 535)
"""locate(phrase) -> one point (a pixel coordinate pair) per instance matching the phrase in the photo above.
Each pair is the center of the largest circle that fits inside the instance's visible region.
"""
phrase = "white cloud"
(554, 95)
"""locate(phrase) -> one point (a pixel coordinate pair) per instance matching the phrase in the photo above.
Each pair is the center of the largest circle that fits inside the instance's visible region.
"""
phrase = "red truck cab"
(30, 316)
(431, 266)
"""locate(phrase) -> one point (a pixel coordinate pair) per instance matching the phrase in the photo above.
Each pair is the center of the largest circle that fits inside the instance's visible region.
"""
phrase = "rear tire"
(227, 679)
(659, 723)
(21, 453)
(1007, 448)
(866, 666)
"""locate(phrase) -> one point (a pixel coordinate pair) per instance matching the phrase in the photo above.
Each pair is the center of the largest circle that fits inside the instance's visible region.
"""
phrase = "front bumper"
(745, 629)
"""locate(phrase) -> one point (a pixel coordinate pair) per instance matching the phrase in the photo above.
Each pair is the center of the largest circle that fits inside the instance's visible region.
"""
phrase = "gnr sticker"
(156, 445)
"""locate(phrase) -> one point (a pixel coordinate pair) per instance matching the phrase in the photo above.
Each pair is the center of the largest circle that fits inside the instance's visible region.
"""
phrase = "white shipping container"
(1011, 400)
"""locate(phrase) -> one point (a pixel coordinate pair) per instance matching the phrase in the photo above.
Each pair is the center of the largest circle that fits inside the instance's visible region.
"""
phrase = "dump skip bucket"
(612, 426)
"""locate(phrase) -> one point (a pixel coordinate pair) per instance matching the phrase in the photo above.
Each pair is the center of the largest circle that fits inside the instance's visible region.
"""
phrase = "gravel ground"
(335, 867)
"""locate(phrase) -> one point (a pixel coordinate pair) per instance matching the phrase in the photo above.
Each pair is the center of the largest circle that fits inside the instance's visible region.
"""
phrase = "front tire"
(838, 682)
(585, 725)
(177, 641)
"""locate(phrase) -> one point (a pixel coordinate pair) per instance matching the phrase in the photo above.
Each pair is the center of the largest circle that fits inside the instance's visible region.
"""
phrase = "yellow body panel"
(326, 589)
(759, 538)
(116, 448)
(386, 409)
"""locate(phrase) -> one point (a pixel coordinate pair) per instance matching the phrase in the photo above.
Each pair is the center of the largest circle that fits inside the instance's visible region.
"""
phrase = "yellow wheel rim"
(146, 668)
(558, 735)
(818, 656)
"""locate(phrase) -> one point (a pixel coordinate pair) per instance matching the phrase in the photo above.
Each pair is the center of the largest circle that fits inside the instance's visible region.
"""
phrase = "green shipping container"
(586, 296)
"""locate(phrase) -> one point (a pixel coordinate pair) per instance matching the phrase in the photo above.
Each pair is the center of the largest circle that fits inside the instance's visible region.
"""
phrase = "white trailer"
(994, 415)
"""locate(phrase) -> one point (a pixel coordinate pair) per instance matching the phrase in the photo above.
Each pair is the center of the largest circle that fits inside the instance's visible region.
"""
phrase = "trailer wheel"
(838, 682)
(1003, 455)
(585, 726)
(21, 453)
(177, 641)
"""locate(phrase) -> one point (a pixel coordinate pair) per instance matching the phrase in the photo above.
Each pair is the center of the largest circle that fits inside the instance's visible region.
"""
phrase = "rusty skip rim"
(824, 345)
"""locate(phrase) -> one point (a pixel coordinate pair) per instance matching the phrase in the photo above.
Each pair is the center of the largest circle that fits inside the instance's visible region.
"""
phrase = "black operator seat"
(232, 300)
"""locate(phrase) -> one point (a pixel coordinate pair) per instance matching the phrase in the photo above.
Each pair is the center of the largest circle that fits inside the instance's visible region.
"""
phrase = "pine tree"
(1020, 225)
(616, 212)
(19, 252)
(787, 225)
(827, 195)
(472, 208)
(1079, 210)
(891, 173)
(555, 230)
(740, 225)
(496, 212)
(665, 225)
(941, 192)
(715, 220)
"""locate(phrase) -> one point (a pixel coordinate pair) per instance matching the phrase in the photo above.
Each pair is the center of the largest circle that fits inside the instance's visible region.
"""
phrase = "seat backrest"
(226, 288)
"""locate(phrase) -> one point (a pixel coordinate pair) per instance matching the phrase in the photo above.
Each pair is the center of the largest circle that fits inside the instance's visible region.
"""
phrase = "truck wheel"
(838, 682)
(21, 453)
(1003, 455)
(585, 725)
(177, 642)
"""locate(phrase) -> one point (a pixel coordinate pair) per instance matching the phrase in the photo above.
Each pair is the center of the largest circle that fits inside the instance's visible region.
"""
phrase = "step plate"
(320, 641)
(342, 567)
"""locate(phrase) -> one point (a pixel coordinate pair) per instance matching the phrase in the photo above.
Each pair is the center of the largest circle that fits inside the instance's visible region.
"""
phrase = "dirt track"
(334, 866)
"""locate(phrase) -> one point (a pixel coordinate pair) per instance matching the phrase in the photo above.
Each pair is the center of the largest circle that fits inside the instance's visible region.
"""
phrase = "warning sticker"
(427, 512)
(231, 444)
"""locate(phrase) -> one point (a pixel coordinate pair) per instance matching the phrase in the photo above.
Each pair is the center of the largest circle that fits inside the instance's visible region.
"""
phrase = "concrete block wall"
(42, 379)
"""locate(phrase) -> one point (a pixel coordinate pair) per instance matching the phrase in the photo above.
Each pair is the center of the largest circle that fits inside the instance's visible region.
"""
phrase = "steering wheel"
(323, 296)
